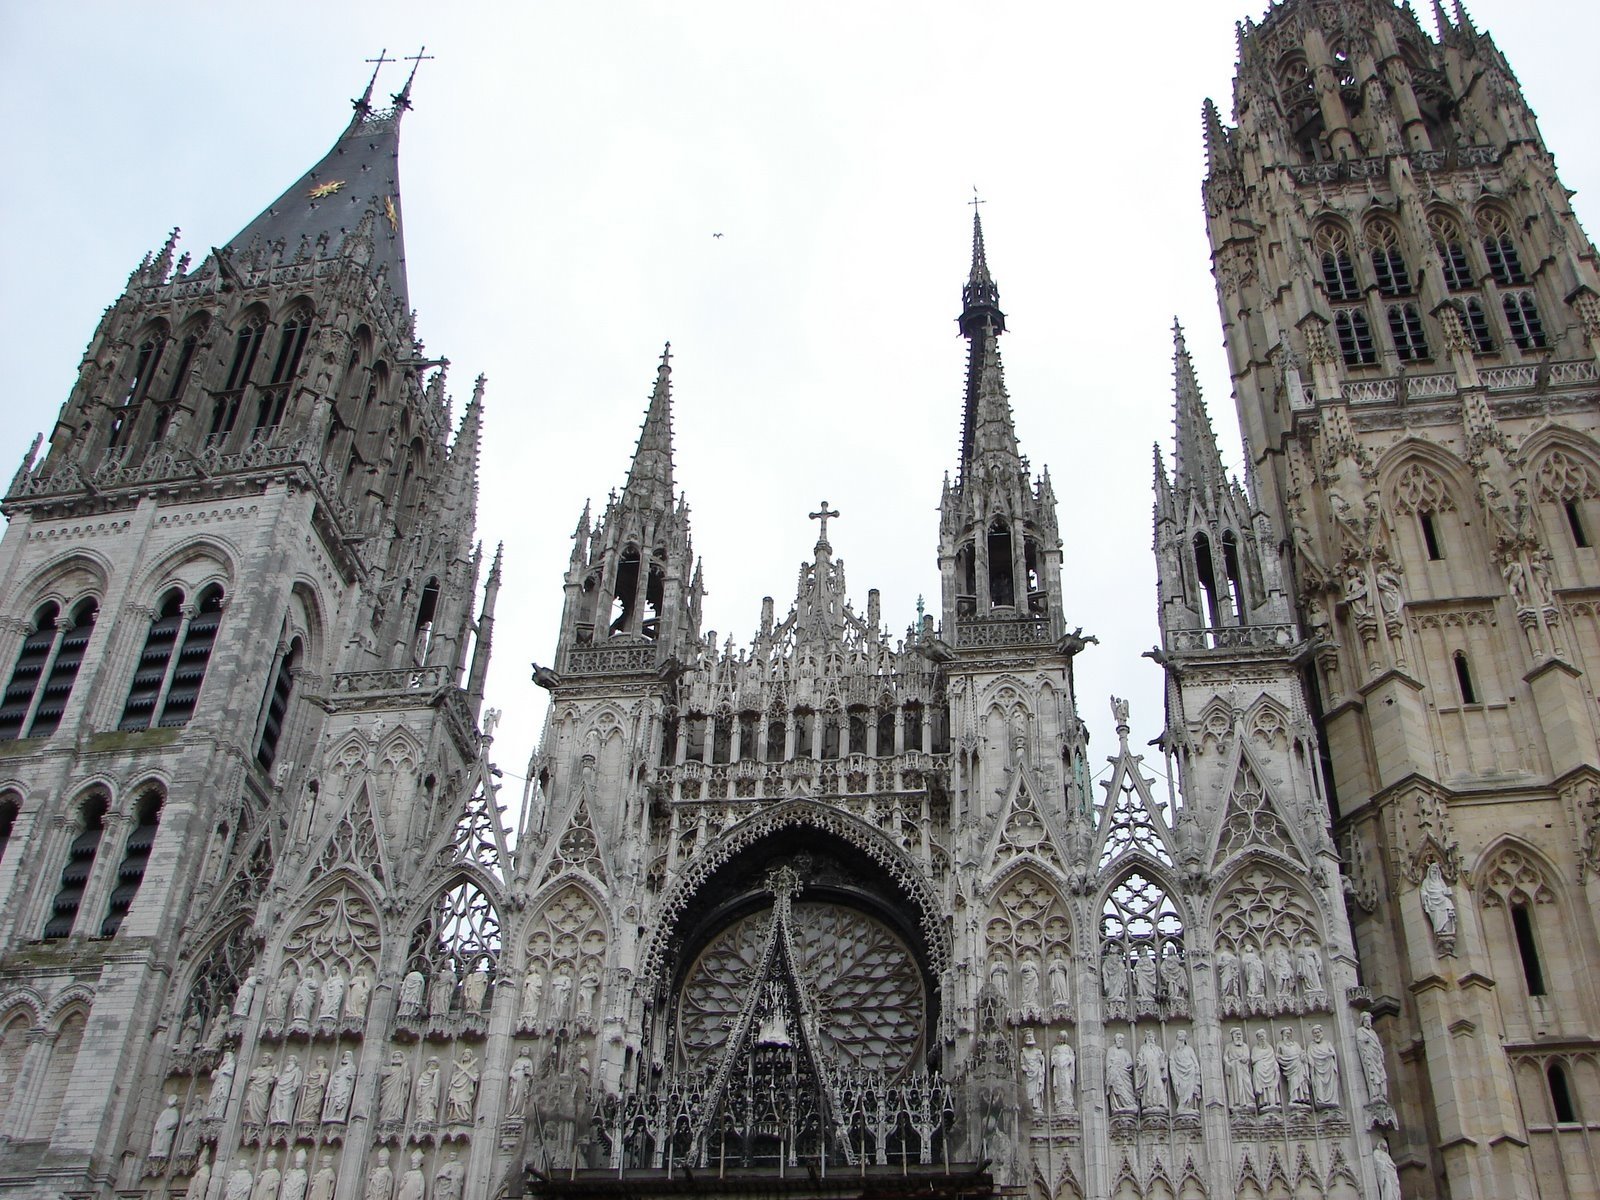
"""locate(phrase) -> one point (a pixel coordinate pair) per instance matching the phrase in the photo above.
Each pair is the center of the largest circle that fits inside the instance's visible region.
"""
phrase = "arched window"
(10, 806)
(1566, 1112)
(135, 857)
(747, 736)
(180, 373)
(80, 863)
(1355, 337)
(626, 591)
(1230, 567)
(1500, 248)
(1452, 247)
(1522, 319)
(1464, 684)
(166, 685)
(1388, 263)
(277, 708)
(53, 652)
(1002, 584)
(13, 1049)
(1569, 481)
(886, 724)
(422, 631)
(291, 345)
(775, 738)
(1405, 327)
(1205, 575)
(1338, 267)
(1527, 949)
(1476, 321)
(63, 1058)
(246, 345)
(146, 362)
(722, 738)
(913, 724)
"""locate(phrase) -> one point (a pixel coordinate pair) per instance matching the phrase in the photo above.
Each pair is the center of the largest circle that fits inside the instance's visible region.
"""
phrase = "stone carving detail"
(1250, 821)
(1439, 906)
(331, 953)
(1268, 958)
(567, 945)
(456, 951)
(206, 1020)
(1374, 1073)
(1029, 933)
(1143, 971)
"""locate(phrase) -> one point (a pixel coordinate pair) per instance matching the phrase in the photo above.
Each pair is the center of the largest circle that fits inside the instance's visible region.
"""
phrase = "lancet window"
(1515, 884)
(1269, 957)
(1143, 967)
(80, 864)
(1354, 332)
(172, 667)
(10, 807)
(1405, 327)
(566, 954)
(1500, 248)
(135, 858)
(329, 965)
(456, 949)
(277, 705)
(215, 989)
(1452, 248)
(1388, 263)
(52, 653)
(1338, 266)
(1030, 944)
(1523, 320)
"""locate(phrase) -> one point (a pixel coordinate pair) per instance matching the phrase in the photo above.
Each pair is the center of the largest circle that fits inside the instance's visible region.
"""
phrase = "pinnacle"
(650, 476)
(1196, 460)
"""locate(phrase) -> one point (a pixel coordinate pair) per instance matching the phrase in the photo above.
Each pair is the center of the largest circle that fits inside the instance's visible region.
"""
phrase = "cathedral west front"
(837, 905)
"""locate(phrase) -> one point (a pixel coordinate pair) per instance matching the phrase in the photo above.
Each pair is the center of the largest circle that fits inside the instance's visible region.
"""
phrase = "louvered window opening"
(1405, 326)
(166, 683)
(75, 875)
(277, 708)
(193, 659)
(130, 872)
(25, 676)
(1355, 338)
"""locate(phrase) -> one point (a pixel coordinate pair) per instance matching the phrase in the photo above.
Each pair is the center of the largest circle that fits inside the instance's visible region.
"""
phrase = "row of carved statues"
(1296, 975)
(300, 1183)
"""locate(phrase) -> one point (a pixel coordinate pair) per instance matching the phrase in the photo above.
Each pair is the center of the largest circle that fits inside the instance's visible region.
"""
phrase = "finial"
(822, 536)
(665, 368)
(364, 105)
(402, 98)
(1464, 19)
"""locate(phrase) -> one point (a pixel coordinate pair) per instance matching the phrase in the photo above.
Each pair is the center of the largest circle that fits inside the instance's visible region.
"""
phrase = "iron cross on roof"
(823, 516)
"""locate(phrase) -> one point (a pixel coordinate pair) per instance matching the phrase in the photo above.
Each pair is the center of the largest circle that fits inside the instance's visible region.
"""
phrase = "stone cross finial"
(823, 517)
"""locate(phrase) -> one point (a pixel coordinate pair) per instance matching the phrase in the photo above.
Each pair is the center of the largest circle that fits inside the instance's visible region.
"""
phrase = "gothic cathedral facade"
(840, 909)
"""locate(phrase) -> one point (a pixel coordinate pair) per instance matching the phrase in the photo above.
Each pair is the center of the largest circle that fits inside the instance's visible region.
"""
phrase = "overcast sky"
(563, 172)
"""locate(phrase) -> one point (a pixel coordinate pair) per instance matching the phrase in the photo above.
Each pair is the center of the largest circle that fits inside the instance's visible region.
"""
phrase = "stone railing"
(611, 660)
(1507, 379)
(1365, 169)
(850, 775)
(415, 680)
(1002, 632)
(1233, 637)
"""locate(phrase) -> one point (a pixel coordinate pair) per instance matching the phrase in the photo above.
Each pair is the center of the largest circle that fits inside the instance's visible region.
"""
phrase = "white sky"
(563, 172)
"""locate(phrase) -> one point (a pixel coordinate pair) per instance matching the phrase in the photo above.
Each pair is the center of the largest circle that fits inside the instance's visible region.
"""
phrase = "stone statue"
(1175, 977)
(1388, 590)
(200, 1181)
(1264, 1073)
(1374, 1072)
(258, 1090)
(463, 1094)
(380, 1181)
(427, 1103)
(1227, 975)
(1308, 963)
(240, 1184)
(330, 1001)
(269, 1181)
(296, 1179)
(1119, 1076)
(278, 997)
(285, 1091)
(1283, 974)
(1324, 1065)
(325, 1180)
(1437, 902)
(246, 995)
(1383, 1167)
(221, 1087)
(393, 1089)
(1355, 592)
(1032, 993)
(1144, 978)
(1000, 979)
(475, 990)
(1032, 1059)
(441, 992)
(305, 999)
(1296, 1071)
(411, 994)
(451, 1179)
(1151, 1074)
(166, 1126)
(340, 1088)
(1255, 976)
(1060, 983)
(560, 990)
(412, 1184)
(1236, 1066)
(518, 1082)
(1113, 976)
(1184, 1067)
(355, 999)
(588, 985)
(532, 991)
(314, 1091)
(1064, 1068)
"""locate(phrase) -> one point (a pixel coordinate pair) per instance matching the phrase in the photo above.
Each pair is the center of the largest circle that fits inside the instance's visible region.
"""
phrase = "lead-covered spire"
(987, 429)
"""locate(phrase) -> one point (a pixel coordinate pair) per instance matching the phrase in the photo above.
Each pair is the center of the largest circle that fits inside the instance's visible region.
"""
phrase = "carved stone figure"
(357, 996)
(314, 1091)
(1383, 1167)
(518, 1082)
(1119, 1076)
(269, 1181)
(588, 985)
(451, 1178)
(475, 990)
(1374, 1072)
(463, 1093)
(1184, 1068)
(1264, 1073)
(165, 1127)
(394, 1088)
(1032, 986)
(240, 1184)
(1255, 977)
(324, 1181)
(285, 1092)
(413, 1186)
(200, 1181)
(1228, 976)
(1438, 904)
(305, 998)
(1113, 977)
(1308, 964)
(1175, 978)
(1324, 1064)
(1283, 975)
(380, 1180)
(411, 989)
(532, 993)
(221, 1087)
(296, 1179)
(330, 1001)
(1060, 983)
(278, 997)
(1000, 979)
(1150, 1073)
(1144, 978)
(258, 1091)
(1032, 1060)
(427, 1101)
(246, 995)
(1296, 1071)
(1064, 1072)
(441, 992)
(340, 1088)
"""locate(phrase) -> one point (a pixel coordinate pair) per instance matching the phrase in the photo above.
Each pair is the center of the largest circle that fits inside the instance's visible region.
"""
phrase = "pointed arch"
(1270, 935)
(1029, 938)
(1525, 923)
(1143, 952)
(563, 949)
(213, 978)
(456, 944)
(1252, 821)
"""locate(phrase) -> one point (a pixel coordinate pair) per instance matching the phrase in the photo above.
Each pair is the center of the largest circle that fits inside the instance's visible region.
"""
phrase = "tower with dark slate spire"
(241, 780)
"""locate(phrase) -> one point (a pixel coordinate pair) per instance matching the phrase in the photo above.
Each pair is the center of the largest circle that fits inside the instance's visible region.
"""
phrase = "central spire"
(986, 427)
(650, 477)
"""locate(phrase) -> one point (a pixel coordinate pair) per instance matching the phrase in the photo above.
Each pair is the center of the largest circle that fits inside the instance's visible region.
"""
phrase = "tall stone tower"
(1412, 317)
(242, 790)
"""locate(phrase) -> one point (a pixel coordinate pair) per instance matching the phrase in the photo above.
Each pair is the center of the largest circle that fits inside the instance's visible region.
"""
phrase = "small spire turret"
(1197, 462)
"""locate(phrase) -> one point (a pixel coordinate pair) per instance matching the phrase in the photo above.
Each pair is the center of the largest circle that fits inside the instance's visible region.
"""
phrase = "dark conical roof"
(360, 174)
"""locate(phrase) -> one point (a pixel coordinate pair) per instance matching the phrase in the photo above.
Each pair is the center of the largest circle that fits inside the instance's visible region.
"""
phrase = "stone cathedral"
(845, 906)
